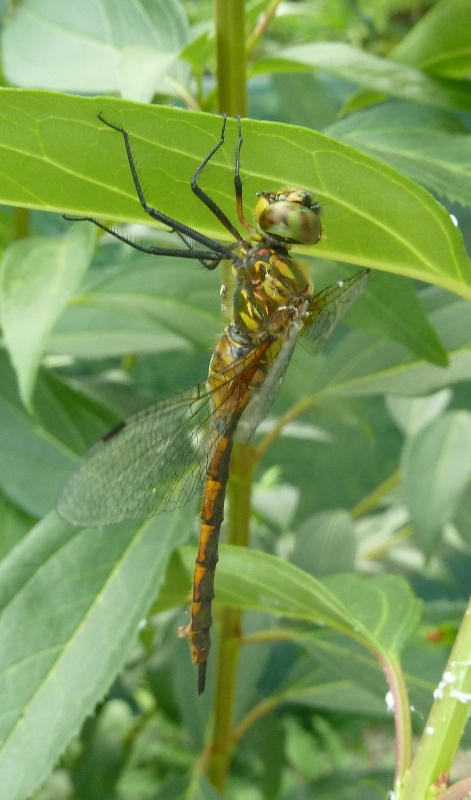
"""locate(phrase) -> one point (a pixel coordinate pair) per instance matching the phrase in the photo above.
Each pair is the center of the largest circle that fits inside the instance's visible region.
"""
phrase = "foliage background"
(375, 476)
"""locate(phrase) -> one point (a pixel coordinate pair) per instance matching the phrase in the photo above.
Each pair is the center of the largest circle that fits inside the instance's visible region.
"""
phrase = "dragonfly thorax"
(291, 216)
(270, 289)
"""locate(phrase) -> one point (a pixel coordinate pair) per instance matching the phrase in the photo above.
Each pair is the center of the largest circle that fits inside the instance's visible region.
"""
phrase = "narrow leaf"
(436, 466)
(38, 277)
(365, 365)
(371, 72)
(391, 308)
(36, 454)
(72, 602)
(411, 414)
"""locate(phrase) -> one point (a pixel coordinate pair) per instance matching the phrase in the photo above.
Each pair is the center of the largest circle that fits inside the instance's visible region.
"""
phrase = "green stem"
(447, 718)
(298, 408)
(230, 621)
(262, 25)
(372, 500)
(381, 549)
(230, 54)
(402, 722)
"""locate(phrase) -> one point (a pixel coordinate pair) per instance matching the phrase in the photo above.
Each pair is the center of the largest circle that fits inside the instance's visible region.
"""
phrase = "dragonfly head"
(291, 216)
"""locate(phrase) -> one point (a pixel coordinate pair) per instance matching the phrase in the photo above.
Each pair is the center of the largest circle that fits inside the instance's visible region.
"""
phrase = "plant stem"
(230, 54)
(298, 408)
(402, 722)
(373, 499)
(230, 620)
(261, 26)
(381, 549)
(445, 723)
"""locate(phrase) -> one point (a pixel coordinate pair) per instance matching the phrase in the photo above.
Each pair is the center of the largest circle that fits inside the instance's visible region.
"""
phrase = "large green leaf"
(380, 75)
(71, 603)
(441, 41)
(55, 154)
(106, 47)
(430, 146)
(378, 613)
(38, 276)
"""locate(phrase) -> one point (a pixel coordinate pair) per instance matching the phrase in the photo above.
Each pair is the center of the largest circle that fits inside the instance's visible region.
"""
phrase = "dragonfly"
(160, 457)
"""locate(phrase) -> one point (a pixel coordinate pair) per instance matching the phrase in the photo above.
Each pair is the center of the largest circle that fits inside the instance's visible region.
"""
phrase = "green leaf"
(436, 465)
(325, 544)
(72, 601)
(385, 605)
(38, 276)
(364, 365)
(69, 160)
(440, 42)
(348, 662)
(462, 517)
(104, 751)
(430, 146)
(137, 304)
(379, 613)
(15, 524)
(107, 47)
(411, 414)
(199, 51)
(390, 307)
(371, 72)
(305, 100)
(322, 688)
(36, 454)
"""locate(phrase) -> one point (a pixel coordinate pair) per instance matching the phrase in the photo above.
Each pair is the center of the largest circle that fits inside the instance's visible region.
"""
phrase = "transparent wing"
(261, 403)
(327, 308)
(158, 458)
(324, 312)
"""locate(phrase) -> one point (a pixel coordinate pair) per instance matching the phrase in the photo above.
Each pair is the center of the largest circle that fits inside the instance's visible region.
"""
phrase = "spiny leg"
(198, 255)
(173, 224)
(201, 194)
(238, 184)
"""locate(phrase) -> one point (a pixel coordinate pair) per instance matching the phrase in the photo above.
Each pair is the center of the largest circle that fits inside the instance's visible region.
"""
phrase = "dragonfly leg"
(201, 194)
(199, 255)
(238, 184)
(173, 224)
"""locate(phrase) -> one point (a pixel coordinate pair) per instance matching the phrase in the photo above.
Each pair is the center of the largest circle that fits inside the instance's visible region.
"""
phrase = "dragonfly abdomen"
(230, 400)
(212, 515)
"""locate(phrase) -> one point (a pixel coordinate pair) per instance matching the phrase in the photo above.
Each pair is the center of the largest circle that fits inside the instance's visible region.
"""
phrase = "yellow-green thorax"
(270, 288)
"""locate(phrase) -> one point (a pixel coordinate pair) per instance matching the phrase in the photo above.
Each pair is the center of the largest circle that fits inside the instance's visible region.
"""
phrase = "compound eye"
(289, 221)
(260, 208)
